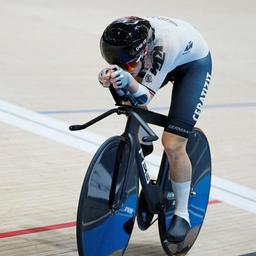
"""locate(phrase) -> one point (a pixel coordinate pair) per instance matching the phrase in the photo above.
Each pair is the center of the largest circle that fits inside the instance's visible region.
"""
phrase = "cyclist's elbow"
(142, 95)
(143, 100)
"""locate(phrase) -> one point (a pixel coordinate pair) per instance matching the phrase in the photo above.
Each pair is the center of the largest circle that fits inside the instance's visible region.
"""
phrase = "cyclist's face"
(133, 67)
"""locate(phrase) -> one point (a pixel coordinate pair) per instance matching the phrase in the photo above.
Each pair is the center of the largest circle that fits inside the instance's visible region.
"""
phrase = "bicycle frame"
(153, 191)
(140, 117)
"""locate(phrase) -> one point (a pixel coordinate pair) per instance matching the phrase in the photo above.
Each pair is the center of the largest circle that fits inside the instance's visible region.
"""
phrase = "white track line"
(224, 190)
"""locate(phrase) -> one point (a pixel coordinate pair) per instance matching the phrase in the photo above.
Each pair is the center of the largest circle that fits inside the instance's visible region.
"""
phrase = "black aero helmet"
(124, 39)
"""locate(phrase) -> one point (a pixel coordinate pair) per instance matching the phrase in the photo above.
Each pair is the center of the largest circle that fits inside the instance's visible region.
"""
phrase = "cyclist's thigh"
(188, 95)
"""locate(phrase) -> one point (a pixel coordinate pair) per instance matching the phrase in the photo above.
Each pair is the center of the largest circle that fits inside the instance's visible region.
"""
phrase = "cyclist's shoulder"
(181, 41)
(172, 35)
(163, 22)
(173, 30)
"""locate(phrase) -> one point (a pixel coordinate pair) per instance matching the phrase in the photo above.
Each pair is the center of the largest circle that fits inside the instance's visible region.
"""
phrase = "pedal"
(192, 193)
(170, 196)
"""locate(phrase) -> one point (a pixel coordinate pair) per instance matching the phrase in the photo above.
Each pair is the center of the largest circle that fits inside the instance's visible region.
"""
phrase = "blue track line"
(210, 106)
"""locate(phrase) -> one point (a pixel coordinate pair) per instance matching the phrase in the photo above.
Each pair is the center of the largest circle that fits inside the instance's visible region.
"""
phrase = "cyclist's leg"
(175, 148)
(180, 175)
(189, 91)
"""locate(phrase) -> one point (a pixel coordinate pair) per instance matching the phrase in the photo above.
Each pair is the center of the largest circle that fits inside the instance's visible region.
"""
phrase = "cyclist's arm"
(140, 92)
(122, 80)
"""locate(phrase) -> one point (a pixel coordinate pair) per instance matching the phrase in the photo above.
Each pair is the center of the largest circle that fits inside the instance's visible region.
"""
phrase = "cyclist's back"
(176, 43)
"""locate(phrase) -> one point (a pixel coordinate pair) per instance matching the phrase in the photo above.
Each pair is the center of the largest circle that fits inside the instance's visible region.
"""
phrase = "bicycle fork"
(123, 167)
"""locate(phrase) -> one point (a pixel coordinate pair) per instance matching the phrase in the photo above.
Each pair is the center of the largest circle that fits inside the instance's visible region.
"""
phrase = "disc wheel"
(199, 154)
(108, 201)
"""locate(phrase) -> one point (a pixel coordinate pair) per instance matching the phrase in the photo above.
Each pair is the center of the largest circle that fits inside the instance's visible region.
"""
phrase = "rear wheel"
(199, 154)
(108, 201)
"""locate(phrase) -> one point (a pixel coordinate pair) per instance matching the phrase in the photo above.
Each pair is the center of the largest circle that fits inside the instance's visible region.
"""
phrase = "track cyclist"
(144, 54)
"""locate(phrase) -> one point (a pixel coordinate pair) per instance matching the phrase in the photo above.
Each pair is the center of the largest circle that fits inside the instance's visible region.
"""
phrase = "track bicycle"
(110, 199)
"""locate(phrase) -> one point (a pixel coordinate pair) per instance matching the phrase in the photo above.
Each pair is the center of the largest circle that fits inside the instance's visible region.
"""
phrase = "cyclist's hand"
(120, 78)
(104, 77)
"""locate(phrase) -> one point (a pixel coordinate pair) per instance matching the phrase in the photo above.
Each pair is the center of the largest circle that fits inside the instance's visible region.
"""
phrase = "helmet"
(124, 39)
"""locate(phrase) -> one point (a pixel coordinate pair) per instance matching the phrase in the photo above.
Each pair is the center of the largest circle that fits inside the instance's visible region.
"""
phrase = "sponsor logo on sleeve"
(148, 78)
(188, 47)
(158, 59)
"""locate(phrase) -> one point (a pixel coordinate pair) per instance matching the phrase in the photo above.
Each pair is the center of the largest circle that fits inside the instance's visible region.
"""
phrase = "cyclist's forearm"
(134, 85)
(140, 92)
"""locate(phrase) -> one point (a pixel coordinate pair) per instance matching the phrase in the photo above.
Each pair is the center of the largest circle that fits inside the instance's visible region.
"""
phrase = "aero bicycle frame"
(137, 117)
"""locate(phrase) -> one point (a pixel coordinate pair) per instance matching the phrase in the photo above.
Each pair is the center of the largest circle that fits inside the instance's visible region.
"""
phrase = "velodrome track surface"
(49, 61)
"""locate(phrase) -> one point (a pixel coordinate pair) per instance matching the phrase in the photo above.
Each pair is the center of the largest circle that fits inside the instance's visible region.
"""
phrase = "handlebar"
(78, 127)
(122, 109)
(126, 110)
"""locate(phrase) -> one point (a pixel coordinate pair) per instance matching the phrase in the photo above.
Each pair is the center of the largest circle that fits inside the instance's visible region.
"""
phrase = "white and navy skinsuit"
(178, 54)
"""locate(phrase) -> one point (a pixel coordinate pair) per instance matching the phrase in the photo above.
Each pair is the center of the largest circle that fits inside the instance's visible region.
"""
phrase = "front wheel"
(199, 153)
(108, 201)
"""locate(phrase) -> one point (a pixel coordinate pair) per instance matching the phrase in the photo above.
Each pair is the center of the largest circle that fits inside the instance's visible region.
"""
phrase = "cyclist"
(144, 55)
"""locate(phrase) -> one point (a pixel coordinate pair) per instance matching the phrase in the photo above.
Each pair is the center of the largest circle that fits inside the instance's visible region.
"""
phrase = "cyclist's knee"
(174, 145)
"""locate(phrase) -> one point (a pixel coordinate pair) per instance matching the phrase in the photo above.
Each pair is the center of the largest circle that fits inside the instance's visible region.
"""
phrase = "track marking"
(36, 230)
(223, 190)
(98, 110)
(29, 231)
